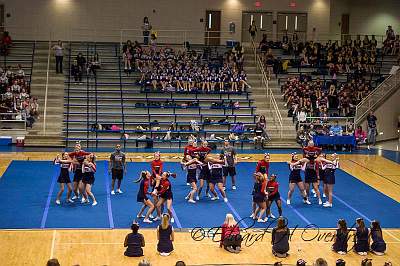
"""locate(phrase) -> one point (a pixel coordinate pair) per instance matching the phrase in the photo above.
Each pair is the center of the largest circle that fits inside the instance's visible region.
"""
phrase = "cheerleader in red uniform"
(164, 191)
(156, 171)
(262, 168)
(263, 165)
(77, 157)
(273, 195)
(63, 179)
(88, 170)
(295, 179)
(142, 196)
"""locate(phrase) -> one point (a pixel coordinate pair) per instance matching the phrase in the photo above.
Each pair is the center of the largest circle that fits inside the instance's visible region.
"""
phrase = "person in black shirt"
(340, 244)
(134, 242)
(371, 120)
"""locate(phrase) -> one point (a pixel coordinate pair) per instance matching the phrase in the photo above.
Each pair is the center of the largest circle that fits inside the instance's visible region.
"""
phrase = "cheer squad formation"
(205, 171)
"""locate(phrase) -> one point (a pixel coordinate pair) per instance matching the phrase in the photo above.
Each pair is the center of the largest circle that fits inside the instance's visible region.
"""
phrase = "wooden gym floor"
(105, 247)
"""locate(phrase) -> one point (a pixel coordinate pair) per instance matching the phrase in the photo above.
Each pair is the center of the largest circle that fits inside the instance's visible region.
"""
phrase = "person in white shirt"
(59, 53)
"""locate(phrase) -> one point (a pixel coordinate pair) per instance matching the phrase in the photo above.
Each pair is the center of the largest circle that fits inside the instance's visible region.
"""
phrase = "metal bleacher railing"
(269, 95)
(385, 89)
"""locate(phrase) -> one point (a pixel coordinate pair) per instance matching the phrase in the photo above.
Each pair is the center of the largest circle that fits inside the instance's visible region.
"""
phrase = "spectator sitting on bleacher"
(93, 64)
(263, 46)
(76, 72)
(81, 62)
(5, 44)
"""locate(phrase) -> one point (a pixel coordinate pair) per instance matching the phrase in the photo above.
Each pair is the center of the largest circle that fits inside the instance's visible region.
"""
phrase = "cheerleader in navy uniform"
(164, 192)
(142, 196)
(213, 80)
(88, 169)
(295, 179)
(216, 176)
(234, 82)
(243, 80)
(329, 167)
(63, 179)
(311, 178)
(204, 175)
(273, 195)
(191, 165)
(321, 176)
(259, 193)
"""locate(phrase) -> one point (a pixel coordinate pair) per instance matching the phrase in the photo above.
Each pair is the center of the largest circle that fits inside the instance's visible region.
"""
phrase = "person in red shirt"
(188, 150)
(201, 153)
(311, 152)
(273, 195)
(77, 157)
(263, 165)
(231, 239)
(164, 191)
(156, 171)
(142, 196)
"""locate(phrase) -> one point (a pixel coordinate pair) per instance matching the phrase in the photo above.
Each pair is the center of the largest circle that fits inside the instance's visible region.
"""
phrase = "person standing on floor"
(59, 54)
(253, 30)
(372, 131)
(146, 27)
(229, 168)
(117, 168)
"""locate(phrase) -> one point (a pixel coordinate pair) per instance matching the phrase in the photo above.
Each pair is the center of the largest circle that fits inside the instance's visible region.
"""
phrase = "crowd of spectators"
(323, 99)
(357, 57)
(167, 69)
(15, 96)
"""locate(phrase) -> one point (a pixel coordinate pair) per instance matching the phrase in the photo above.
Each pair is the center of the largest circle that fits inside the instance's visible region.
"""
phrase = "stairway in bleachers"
(263, 106)
(51, 135)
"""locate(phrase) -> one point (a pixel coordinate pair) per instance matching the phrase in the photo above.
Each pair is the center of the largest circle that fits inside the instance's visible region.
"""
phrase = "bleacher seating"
(113, 97)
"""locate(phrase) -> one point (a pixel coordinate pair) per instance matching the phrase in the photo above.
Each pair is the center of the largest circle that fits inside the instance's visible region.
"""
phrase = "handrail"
(387, 87)
(268, 90)
(68, 91)
(121, 93)
(47, 89)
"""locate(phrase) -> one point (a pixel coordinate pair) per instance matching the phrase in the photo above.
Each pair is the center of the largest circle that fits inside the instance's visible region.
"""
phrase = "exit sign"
(257, 3)
(292, 4)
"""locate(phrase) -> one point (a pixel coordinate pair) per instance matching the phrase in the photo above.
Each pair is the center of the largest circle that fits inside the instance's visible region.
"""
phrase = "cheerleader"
(263, 165)
(78, 156)
(88, 170)
(329, 167)
(273, 195)
(191, 165)
(164, 191)
(142, 196)
(201, 153)
(216, 176)
(311, 178)
(262, 168)
(234, 82)
(295, 179)
(63, 179)
(259, 193)
(156, 168)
